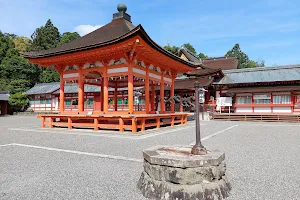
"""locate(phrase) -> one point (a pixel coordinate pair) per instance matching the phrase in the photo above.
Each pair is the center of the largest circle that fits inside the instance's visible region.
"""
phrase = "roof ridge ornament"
(122, 8)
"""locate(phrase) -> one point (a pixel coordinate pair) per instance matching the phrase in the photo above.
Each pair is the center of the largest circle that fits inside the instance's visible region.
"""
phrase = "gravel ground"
(262, 159)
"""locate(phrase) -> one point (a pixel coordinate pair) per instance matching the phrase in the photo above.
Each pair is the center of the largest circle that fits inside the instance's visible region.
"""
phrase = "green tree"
(22, 44)
(18, 101)
(45, 37)
(260, 63)
(6, 46)
(190, 48)
(68, 37)
(20, 86)
(243, 59)
(16, 67)
(251, 64)
(49, 75)
(173, 49)
(202, 56)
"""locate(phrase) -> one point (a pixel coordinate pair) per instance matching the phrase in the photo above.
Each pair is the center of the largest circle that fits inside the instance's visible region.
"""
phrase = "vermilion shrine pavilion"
(119, 56)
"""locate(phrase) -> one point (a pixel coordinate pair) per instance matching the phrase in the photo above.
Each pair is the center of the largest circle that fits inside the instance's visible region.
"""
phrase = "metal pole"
(198, 148)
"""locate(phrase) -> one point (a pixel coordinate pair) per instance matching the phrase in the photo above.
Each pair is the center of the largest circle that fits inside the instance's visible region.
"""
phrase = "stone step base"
(154, 189)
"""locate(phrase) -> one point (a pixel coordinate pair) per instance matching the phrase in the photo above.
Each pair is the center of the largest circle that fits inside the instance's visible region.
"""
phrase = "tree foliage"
(202, 56)
(45, 37)
(49, 75)
(6, 46)
(18, 101)
(68, 37)
(243, 59)
(22, 44)
(173, 49)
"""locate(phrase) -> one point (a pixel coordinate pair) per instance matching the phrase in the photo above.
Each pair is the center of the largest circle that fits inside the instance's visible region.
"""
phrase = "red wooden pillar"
(116, 97)
(293, 101)
(61, 94)
(172, 93)
(80, 92)
(130, 89)
(105, 93)
(102, 96)
(152, 97)
(162, 93)
(147, 91)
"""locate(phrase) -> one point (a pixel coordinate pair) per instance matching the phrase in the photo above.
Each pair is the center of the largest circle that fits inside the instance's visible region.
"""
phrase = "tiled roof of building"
(261, 75)
(53, 88)
(189, 83)
(73, 88)
(4, 96)
(204, 72)
(43, 88)
(224, 63)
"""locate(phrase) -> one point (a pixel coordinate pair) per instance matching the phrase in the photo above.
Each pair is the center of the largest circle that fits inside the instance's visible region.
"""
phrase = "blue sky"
(266, 29)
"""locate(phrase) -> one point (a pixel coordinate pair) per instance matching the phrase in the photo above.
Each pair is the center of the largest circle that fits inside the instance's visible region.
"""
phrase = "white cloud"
(85, 29)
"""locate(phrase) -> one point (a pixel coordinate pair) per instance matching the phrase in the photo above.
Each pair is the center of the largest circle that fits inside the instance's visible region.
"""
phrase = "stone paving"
(262, 159)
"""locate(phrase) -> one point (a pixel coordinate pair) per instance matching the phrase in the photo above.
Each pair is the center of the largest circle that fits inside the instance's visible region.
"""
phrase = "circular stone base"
(173, 173)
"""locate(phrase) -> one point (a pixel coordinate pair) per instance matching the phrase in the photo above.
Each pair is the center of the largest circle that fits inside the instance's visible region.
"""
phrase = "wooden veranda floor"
(257, 117)
(121, 122)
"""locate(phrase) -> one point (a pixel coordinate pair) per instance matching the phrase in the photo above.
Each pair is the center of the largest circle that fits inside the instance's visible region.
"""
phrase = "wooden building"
(4, 98)
(117, 55)
(263, 90)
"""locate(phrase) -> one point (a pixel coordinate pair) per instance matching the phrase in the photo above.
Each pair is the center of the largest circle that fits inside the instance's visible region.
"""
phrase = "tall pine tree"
(45, 37)
(243, 59)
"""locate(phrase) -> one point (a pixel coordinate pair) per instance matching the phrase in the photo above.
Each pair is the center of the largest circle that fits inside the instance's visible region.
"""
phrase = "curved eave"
(138, 29)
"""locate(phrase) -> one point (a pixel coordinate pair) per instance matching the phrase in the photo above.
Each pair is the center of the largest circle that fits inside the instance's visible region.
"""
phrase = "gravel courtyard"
(262, 159)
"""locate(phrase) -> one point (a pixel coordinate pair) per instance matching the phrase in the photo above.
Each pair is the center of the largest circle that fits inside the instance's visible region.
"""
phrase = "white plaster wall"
(282, 109)
(243, 110)
(262, 110)
(72, 75)
(56, 103)
(154, 75)
(139, 71)
(217, 94)
(116, 70)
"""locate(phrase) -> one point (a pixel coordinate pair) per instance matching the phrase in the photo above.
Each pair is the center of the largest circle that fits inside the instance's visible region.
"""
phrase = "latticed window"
(89, 101)
(262, 99)
(43, 100)
(244, 100)
(282, 99)
(68, 102)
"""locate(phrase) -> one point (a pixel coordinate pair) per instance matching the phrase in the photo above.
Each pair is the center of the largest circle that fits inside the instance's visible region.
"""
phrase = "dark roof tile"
(43, 88)
(4, 96)
(261, 75)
